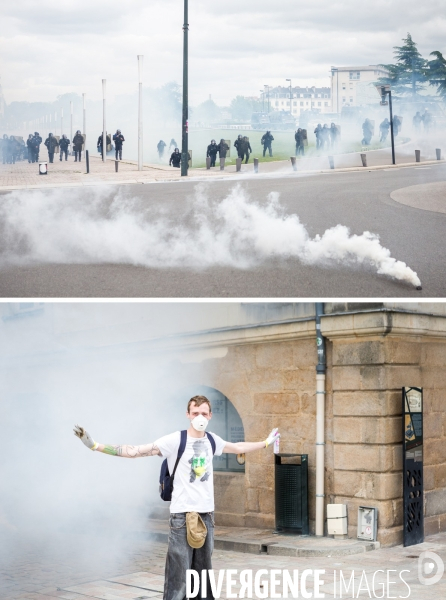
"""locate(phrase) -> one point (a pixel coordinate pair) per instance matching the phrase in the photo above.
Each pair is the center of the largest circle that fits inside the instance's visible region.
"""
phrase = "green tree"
(242, 108)
(207, 111)
(436, 73)
(408, 74)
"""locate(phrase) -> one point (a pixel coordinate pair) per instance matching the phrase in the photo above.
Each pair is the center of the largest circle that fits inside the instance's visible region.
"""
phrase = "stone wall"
(368, 373)
(269, 376)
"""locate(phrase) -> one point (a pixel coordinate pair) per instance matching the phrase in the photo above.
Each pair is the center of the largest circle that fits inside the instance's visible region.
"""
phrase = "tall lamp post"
(385, 90)
(61, 122)
(71, 121)
(84, 119)
(140, 138)
(291, 95)
(104, 131)
(267, 87)
(333, 71)
(184, 123)
(263, 100)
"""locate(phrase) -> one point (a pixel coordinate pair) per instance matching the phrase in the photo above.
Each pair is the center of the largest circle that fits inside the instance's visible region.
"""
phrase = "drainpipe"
(320, 421)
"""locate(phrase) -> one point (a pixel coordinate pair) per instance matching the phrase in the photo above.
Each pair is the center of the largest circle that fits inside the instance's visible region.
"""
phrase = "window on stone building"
(301, 103)
(225, 422)
(319, 103)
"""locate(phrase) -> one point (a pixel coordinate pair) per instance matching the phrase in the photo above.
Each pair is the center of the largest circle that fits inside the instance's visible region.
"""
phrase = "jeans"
(118, 153)
(64, 152)
(267, 147)
(180, 556)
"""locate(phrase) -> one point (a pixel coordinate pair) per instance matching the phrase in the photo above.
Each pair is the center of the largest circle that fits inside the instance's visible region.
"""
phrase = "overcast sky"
(51, 47)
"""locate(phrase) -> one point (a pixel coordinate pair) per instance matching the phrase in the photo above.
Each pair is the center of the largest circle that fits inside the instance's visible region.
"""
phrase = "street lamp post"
(267, 87)
(263, 100)
(71, 122)
(140, 132)
(104, 131)
(333, 71)
(184, 121)
(84, 119)
(61, 122)
(291, 110)
(386, 91)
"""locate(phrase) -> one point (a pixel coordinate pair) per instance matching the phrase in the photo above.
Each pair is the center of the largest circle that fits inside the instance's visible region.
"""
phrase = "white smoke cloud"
(238, 232)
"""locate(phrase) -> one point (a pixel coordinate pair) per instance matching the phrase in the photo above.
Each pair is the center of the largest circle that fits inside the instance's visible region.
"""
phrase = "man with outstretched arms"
(191, 538)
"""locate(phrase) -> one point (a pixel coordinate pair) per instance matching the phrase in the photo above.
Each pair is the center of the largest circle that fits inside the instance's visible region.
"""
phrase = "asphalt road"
(360, 200)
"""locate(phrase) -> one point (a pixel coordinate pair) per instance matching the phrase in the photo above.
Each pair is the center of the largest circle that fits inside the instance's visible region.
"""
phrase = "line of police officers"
(13, 148)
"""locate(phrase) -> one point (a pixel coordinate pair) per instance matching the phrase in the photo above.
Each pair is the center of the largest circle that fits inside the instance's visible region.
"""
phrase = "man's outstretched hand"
(85, 437)
(273, 436)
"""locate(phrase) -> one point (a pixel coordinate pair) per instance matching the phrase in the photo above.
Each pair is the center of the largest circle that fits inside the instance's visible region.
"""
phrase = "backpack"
(166, 479)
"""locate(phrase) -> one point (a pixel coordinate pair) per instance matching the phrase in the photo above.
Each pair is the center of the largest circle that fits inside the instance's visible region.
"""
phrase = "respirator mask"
(199, 423)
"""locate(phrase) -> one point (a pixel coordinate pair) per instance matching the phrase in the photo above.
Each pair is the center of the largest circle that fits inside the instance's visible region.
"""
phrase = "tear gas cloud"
(43, 227)
(58, 496)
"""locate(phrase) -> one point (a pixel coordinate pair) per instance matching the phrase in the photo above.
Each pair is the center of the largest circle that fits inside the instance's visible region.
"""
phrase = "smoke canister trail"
(43, 227)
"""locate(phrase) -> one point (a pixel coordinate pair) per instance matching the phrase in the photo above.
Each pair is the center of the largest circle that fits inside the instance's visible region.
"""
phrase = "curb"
(272, 548)
(219, 177)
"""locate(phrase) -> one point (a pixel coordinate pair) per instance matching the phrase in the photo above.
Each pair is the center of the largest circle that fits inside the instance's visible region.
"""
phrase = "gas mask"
(199, 423)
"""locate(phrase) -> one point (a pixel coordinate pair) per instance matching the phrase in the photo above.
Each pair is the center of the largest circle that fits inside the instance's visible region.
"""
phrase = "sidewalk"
(82, 567)
(69, 173)
(260, 541)
(23, 175)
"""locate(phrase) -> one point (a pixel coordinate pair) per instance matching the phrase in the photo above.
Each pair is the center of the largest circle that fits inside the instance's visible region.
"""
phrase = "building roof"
(363, 68)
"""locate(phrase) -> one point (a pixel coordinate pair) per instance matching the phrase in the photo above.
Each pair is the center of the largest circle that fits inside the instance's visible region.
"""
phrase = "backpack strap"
(181, 449)
(212, 441)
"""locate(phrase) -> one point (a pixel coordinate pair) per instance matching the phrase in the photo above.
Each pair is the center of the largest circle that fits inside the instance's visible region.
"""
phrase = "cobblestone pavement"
(79, 567)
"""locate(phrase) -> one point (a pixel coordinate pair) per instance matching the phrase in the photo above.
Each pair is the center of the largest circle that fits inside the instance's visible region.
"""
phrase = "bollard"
(417, 155)
(238, 164)
(43, 168)
(293, 162)
(438, 153)
(116, 165)
(222, 163)
(87, 160)
(208, 162)
(331, 161)
(364, 160)
(256, 165)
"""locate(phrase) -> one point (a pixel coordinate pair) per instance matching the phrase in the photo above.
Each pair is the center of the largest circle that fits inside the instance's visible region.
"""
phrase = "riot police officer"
(118, 138)
(266, 141)
(78, 141)
(175, 158)
(211, 152)
(63, 145)
(51, 144)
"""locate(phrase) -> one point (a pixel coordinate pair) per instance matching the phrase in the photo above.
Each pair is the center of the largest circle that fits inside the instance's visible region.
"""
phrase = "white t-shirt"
(193, 488)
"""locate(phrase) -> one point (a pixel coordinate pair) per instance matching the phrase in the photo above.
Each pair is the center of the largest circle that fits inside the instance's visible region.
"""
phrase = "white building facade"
(302, 98)
(354, 86)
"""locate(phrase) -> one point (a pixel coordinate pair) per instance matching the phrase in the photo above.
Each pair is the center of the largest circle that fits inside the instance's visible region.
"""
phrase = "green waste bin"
(291, 493)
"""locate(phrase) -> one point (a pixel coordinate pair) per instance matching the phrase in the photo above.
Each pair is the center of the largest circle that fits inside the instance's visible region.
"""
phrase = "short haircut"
(199, 400)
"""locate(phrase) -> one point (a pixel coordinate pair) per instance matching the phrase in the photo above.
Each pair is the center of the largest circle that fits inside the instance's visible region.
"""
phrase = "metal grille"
(291, 493)
(413, 466)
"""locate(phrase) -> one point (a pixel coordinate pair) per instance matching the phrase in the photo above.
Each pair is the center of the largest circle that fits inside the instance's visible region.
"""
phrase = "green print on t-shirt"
(199, 462)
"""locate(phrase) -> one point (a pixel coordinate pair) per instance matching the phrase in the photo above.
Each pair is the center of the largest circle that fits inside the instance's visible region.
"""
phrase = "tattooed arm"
(129, 451)
(123, 450)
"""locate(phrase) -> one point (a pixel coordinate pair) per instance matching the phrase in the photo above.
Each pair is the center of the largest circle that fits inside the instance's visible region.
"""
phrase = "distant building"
(353, 86)
(303, 98)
